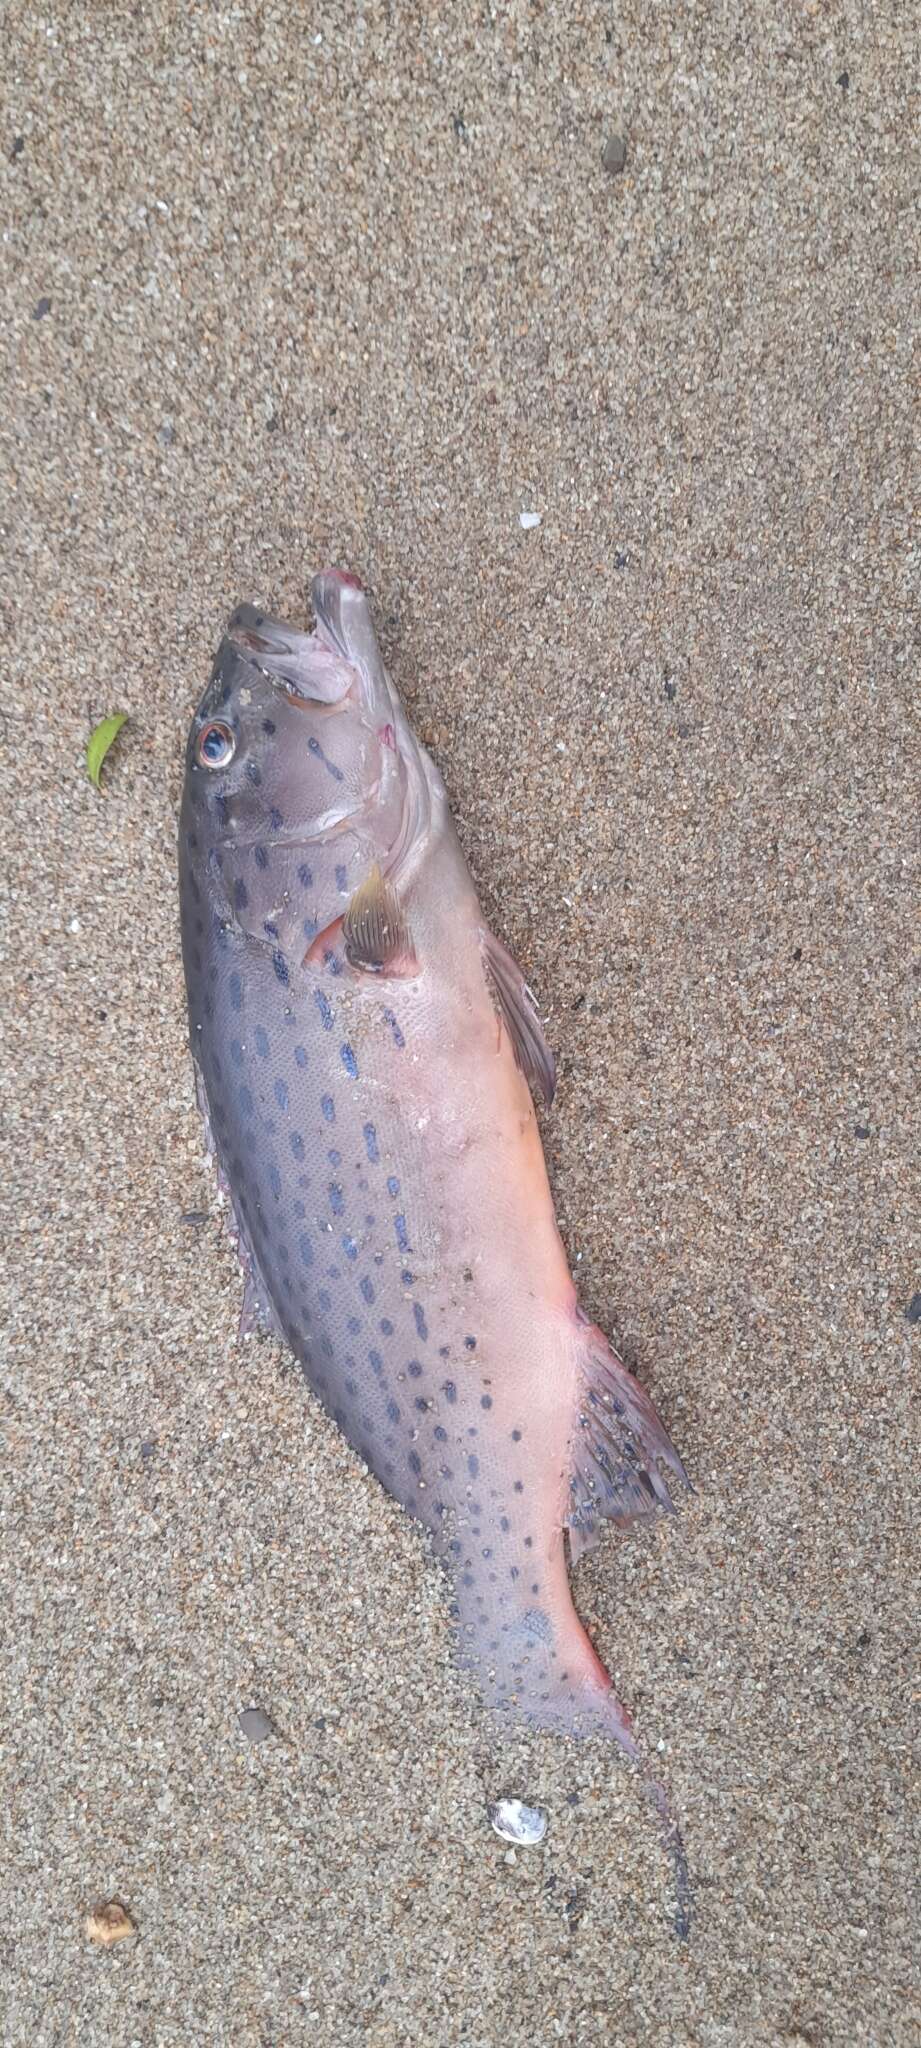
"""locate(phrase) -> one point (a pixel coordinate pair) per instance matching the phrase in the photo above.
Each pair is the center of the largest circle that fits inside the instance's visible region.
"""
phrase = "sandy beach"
(364, 284)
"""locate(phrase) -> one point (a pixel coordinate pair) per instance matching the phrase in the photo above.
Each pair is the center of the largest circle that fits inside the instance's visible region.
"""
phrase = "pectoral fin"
(375, 931)
(518, 1012)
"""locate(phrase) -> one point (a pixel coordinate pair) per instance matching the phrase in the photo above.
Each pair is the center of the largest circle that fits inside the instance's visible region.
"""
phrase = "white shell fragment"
(518, 1823)
(529, 519)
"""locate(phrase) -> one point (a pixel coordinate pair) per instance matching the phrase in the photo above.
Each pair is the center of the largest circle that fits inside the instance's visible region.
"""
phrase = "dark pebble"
(861, 1130)
(614, 155)
(19, 143)
(148, 1449)
(844, 79)
(43, 307)
(193, 1217)
(166, 434)
(620, 561)
(255, 1724)
(913, 1311)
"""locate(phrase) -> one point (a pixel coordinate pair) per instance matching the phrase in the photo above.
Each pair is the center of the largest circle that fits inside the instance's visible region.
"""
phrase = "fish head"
(302, 773)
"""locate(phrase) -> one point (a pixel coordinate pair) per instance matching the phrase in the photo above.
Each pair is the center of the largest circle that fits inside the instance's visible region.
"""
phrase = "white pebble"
(516, 1822)
(529, 519)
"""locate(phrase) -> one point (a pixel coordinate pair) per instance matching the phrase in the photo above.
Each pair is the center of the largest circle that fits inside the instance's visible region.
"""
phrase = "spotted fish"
(365, 1050)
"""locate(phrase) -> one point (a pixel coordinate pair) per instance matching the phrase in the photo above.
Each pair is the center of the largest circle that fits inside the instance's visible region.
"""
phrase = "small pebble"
(255, 1724)
(516, 1822)
(529, 519)
(614, 155)
(108, 1924)
(41, 309)
(913, 1311)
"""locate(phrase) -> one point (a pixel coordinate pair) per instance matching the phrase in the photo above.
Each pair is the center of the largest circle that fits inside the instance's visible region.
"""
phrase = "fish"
(367, 1056)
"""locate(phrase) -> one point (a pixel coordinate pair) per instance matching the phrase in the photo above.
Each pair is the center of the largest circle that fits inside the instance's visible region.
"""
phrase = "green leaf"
(99, 742)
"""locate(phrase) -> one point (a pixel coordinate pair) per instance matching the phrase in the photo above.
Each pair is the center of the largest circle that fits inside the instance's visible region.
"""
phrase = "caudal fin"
(519, 1636)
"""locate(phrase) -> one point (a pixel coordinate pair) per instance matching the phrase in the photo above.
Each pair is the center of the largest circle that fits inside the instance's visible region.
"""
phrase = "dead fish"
(365, 1049)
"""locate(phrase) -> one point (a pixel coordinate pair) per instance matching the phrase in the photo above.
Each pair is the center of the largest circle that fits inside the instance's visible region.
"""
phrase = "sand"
(354, 283)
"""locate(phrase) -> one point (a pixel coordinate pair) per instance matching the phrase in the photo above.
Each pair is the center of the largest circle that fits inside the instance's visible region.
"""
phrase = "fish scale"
(365, 1050)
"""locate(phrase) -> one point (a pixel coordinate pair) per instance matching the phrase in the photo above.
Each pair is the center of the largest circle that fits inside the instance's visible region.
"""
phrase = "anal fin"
(517, 1010)
(618, 1444)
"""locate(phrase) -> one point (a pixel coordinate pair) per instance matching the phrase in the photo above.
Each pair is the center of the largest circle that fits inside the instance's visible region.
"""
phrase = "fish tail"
(673, 1844)
(532, 1661)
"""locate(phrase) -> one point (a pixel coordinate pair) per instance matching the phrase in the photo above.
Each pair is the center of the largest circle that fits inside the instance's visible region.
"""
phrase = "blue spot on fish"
(245, 1099)
(399, 1225)
(419, 1320)
(240, 895)
(296, 1143)
(262, 1042)
(473, 1466)
(275, 1181)
(393, 1411)
(371, 1143)
(342, 879)
(393, 1185)
(260, 857)
(305, 1248)
(334, 1157)
(281, 1094)
(350, 1248)
(300, 1056)
(367, 1288)
(390, 1019)
(336, 1201)
(353, 1325)
(376, 1362)
(275, 819)
(315, 748)
(324, 1009)
(280, 965)
(329, 1109)
(386, 1327)
(485, 1400)
(349, 1061)
(236, 1052)
(449, 1391)
(305, 876)
(470, 1343)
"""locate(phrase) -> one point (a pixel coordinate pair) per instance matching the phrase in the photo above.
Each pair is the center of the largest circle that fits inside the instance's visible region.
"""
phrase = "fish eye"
(216, 744)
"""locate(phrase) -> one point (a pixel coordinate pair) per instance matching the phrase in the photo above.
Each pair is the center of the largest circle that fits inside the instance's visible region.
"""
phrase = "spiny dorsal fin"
(374, 930)
(518, 1012)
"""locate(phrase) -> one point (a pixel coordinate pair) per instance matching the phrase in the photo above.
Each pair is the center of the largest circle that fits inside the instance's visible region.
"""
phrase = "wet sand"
(353, 286)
